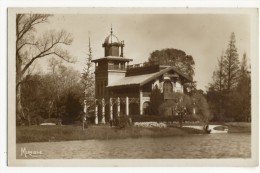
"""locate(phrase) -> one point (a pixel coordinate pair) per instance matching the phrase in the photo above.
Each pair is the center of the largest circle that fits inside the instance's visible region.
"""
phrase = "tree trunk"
(19, 108)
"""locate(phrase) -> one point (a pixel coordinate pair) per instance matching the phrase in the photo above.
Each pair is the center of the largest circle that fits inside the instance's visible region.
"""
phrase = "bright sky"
(203, 36)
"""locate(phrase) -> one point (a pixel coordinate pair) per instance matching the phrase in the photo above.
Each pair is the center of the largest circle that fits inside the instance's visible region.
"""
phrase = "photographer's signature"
(30, 153)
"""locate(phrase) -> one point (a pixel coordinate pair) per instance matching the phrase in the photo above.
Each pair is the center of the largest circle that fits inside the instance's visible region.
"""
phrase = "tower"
(111, 67)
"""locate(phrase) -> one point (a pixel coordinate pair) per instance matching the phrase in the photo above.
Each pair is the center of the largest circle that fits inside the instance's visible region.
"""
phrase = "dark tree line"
(229, 92)
(52, 97)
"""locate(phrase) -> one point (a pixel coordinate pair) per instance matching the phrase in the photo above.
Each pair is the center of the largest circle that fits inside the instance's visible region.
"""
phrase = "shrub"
(202, 109)
(168, 108)
(155, 118)
(121, 121)
(156, 99)
(150, 124)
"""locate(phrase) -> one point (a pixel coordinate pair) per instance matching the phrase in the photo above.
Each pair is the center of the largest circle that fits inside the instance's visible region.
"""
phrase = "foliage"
(174, 57)
(87, 80)
(231, 64)
(219, 76)
(156, 99)
(201, 108)
(150, 125)
(30, 46)
(121, 121)
(170, 107)
(155, 118)
(229, 93)
(244, 90)
(52, 95)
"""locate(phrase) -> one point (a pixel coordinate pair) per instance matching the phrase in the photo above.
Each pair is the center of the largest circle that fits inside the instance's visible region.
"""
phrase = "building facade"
(124, 89)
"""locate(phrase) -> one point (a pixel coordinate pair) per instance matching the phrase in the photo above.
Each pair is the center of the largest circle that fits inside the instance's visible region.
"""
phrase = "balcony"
(116, 67)
(140, 69)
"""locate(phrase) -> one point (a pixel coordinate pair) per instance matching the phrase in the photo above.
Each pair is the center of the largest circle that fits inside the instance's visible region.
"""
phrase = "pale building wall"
(177, 86)
(114, 76)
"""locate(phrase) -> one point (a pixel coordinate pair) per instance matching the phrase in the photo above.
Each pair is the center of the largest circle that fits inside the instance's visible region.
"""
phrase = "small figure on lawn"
(181, 112)
(111, 122)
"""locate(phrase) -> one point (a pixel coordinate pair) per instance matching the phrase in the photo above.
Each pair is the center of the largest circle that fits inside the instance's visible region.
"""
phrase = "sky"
(203, 36)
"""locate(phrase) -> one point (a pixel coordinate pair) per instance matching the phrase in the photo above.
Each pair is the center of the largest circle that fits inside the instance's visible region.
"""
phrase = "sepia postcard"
(133, 87)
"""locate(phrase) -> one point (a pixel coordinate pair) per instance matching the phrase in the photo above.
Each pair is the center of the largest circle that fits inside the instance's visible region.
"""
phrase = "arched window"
(167, 87)
(145, 108)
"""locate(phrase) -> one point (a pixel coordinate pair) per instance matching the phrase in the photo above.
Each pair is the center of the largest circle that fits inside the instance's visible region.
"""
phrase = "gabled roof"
(145, 78)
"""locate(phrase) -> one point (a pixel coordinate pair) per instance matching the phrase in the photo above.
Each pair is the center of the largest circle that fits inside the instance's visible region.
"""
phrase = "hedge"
(156, 118)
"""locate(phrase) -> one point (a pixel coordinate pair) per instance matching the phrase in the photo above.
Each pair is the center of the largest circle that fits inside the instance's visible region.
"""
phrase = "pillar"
(85, 106)
(111, 108)
(127, 106)
(141, 102)
(96, 113)
(103, 111)
(194, 110)
(118, 107)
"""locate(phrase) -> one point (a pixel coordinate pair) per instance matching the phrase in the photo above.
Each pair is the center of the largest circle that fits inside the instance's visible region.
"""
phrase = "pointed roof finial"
(111, 29)
(89, 38)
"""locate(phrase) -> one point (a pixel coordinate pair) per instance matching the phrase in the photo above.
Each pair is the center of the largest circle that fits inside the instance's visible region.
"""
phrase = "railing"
(116, 67)
(146, 64)
(140, 69)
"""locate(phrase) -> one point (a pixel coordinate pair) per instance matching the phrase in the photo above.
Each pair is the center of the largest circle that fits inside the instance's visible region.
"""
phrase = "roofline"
(154, 77)
(113, 58)
(164, 71)
(124, 86)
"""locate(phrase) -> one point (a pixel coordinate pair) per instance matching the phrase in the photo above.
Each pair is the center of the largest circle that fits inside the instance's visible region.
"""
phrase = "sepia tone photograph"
(158, 85)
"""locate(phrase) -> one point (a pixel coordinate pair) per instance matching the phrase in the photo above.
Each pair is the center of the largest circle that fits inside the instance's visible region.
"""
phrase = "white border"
(3, 66)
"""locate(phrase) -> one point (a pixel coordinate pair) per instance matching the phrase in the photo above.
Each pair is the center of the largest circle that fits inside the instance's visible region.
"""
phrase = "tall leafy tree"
(174, 57)
(231, 64)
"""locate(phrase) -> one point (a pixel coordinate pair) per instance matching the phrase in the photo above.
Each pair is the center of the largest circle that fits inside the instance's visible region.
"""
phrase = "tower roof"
(111, 38)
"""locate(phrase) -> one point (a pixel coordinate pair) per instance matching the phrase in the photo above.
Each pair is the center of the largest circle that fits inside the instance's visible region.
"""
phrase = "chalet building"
(121, 88)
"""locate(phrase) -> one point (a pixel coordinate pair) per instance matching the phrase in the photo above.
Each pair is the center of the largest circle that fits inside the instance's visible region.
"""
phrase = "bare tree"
(29, 48)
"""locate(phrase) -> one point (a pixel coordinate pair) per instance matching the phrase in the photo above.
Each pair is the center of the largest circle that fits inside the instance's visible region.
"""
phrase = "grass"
(25, 134)
(239, 127)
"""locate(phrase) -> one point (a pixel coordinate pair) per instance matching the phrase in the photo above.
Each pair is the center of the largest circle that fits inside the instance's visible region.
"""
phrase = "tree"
(219, 75)
(87, 79)
(172, 106)
(232, 100)
(244, 91)
(216, 88)
(30, 48)
(174, 57)
(156, 99)
(201, 108)
(231, 64)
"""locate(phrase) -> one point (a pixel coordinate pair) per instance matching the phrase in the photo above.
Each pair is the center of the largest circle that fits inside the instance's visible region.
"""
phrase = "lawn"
(25, 134)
